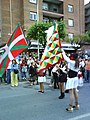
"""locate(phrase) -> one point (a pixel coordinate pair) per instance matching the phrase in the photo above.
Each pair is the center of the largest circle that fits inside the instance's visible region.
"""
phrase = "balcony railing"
(52, 14)
(53, 1)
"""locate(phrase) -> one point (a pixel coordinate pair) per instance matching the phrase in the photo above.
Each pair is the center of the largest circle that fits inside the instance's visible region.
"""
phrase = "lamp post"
(37, 24)
(11, 14)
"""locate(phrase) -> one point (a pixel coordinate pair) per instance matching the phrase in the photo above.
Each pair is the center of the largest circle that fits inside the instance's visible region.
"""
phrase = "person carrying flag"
(72, 81)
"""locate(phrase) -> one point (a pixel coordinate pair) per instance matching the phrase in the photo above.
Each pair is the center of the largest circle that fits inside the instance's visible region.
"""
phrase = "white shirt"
(54, 69)
(71, 63)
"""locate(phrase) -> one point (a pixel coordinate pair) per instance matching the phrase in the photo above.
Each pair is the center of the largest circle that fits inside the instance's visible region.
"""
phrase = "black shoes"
(62, 96)
(41, 91)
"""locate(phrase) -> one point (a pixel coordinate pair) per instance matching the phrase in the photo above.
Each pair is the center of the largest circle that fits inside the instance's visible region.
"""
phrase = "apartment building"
(27, 12)
(87, 17)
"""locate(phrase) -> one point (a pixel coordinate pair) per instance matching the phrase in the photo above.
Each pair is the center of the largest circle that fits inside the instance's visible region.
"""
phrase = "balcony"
(53, 1)
(52, 14)
(87, 21)
(53, 8)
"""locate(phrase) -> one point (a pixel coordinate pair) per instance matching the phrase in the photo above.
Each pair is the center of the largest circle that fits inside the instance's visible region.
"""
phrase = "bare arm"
(67, 58)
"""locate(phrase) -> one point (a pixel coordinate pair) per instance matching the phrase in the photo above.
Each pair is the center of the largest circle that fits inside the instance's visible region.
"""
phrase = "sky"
(86, 1)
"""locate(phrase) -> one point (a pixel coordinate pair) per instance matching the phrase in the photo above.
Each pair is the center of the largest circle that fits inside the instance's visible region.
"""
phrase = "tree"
(37, 31)
(84, 38)
(62, 29)
(79, 39)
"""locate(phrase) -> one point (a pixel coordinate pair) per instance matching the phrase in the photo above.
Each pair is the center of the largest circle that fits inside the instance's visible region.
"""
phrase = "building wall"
(20, 12)
(0, 22)
(82, 17)
(10, 17)
(87, 17)
(28, 7)
(77, 15)
(5, 16)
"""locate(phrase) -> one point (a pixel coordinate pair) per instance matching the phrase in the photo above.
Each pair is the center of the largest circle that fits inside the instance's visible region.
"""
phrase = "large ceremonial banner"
(15, 45)
(52, 53)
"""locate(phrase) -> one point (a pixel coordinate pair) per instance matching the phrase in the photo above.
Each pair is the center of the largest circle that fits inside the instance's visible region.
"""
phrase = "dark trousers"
(8, 76)
(55, 77)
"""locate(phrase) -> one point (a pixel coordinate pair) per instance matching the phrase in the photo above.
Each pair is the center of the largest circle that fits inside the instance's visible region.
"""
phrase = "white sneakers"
(71, 108)
(76, 107)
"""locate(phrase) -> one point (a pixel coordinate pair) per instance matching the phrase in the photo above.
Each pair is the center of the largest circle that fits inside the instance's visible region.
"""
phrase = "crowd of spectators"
(27, 65)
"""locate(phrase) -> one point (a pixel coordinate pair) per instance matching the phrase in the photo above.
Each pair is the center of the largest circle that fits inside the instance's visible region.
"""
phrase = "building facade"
(27, 12)
(87, 17)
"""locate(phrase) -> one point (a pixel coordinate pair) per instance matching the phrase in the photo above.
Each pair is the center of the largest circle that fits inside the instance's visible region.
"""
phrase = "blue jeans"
(87, 75)
(8, 76)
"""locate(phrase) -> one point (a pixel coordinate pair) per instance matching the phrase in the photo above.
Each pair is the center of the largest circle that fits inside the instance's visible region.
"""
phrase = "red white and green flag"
(52, 53)
(15, 45)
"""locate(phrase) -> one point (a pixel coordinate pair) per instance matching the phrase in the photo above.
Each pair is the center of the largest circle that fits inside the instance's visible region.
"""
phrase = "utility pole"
(11, 15)
(37, 24)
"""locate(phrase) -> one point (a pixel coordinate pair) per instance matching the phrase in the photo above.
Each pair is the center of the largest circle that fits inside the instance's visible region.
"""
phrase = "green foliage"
(88, 33)
(62, 29)
(67, 39)
(79, 39)
(82, 38)
(37, 31)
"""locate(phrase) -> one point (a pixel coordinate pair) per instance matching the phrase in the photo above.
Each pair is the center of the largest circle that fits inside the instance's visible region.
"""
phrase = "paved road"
(25, 103)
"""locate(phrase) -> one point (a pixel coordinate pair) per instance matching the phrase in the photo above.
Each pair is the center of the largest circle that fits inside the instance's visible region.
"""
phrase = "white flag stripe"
(9, 48)
(10, 56)
(20, 37)
(5, 54)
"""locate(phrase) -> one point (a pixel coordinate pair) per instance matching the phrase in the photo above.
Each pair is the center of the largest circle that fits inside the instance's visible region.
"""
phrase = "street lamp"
(37, 24)
(11, 15)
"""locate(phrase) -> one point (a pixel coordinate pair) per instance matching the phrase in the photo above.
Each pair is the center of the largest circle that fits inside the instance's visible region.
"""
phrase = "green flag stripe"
(12, 36)
(19, 47)
(3, 65)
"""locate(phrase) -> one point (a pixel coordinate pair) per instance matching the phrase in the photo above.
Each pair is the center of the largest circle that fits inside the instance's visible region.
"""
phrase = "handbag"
(15, 71)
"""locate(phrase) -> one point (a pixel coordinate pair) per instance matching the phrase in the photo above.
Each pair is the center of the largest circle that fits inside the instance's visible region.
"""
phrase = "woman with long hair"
(72, 81)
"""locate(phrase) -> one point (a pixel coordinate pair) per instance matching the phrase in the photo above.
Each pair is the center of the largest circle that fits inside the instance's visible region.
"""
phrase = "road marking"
(80, 117)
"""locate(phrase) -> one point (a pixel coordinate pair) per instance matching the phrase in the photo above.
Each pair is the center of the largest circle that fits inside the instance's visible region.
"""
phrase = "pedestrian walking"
(72, 81)
(14, 73)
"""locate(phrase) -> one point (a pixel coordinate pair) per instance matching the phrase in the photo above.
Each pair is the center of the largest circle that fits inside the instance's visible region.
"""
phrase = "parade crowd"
(69, 74)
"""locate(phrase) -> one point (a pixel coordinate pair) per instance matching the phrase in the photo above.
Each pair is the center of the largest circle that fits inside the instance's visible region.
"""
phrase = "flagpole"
(37, 24)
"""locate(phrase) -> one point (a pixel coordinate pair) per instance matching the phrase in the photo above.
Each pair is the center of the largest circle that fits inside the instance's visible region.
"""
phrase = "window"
(70, 8)
(45, 6)
(45, 19)
(55, 10)
(70, 22)
(33, 16)
(32, 1)
(71, 35)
